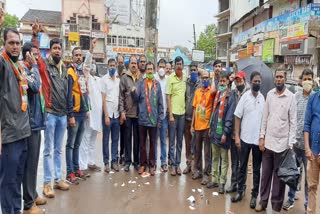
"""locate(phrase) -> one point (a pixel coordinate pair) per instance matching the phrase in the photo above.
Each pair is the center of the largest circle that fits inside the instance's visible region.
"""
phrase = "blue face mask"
(205, 83)
(194, 77)
(112, 71)
(79, 66)
(222, 88)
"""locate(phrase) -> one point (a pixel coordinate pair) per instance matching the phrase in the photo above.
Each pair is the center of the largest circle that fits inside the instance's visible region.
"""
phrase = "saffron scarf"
(201, 108)
(22, 80)
(219, 129)
(154, 99)
(42, 102)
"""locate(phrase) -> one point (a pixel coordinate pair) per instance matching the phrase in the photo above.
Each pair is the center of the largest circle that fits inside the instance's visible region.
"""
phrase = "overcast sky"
(176, 17)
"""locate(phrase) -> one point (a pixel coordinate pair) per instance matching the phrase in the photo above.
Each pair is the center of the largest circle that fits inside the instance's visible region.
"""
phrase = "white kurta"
(95, 89)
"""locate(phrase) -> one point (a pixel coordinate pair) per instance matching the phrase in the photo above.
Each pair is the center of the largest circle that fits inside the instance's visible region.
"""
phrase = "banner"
(74, 37)
(294, 32)
(268, 51)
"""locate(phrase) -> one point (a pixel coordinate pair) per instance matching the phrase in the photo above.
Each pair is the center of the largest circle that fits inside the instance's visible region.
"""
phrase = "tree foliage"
(10, 21)
(207, 42)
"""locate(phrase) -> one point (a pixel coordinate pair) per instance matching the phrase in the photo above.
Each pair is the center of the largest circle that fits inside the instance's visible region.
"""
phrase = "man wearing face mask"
(193, 82)
(37, 123)
(241, 88)
(55, 85)
(221, 128)
(302, 98)
(78, 112)
(202, 109)
(111, 121)
(14, 121)
(176, 92)
(121, 70)
(248, 116)
(149, 97)
(162, 131)
(277, 134)
(142, 66)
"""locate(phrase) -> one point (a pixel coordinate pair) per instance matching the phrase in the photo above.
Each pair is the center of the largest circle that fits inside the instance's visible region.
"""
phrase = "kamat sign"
(126, 50)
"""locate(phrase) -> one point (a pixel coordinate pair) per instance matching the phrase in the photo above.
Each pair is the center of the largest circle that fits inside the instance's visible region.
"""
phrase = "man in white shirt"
(248, 116)
(162, 78)
(277, 134)
(111, 121)
(93, 126)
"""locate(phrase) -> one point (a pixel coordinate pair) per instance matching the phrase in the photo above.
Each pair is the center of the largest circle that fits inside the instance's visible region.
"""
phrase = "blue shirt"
(312, 122)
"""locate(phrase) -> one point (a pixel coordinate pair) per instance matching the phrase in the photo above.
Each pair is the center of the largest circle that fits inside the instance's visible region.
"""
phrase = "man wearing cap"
(241, 88)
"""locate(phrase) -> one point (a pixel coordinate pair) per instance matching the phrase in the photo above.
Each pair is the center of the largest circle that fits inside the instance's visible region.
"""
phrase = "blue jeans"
(114, 127)
(12, 162)
(300, 154)
(55, 129)
(75, 135)
(162, 131)
(176, 133)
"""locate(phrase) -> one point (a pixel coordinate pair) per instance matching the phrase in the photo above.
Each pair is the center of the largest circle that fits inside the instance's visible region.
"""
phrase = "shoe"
(40, 201)
(61, 185)
(152, 171)
(115, 166)
(164, 168)
(253, 202)
(121, 161)
(106, 168)
(178, 170)
(221, 189)
(86, 173)
(48, 191)
(232, 188)
(127, 167)
(71, 179)
(238, 197)
(94, 167)
(259, 208)
(196, 176)
(212, 185)
(187, 169)
(136, 167)
(33, 210)
(141, 170)
(169, 162)
(80, 175)
(173, 171)
(288, 205)
(205, 180)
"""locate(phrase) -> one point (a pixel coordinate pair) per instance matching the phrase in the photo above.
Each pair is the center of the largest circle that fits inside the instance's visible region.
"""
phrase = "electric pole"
(151, 31)
(194, 36)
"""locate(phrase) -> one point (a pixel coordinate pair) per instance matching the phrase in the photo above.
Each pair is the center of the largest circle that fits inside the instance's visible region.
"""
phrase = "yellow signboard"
(74, 37)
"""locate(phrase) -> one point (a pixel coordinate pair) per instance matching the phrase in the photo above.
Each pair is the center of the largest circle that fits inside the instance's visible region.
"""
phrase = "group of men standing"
(138, 105)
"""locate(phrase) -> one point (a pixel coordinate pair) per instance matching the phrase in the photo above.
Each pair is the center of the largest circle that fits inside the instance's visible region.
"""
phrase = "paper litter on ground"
(115, 184)
(147, 183)
(191, 199)
(193, 190)
(145, 174)
(122, 184)
(192, 207)
(199, 190)
(111, 172)
(215, 194)
(132, 190)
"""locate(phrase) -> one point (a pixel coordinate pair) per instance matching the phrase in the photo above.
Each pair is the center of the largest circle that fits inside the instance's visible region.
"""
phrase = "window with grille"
(85, 42)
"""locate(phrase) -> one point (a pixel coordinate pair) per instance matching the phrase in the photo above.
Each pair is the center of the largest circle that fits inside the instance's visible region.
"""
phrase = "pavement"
(129, 193)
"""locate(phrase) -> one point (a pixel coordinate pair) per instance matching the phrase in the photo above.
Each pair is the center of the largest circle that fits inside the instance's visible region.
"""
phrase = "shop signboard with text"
(268, 51)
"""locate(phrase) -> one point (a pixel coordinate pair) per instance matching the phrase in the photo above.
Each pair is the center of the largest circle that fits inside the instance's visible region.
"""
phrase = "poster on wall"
(268, 51)
(44, 40)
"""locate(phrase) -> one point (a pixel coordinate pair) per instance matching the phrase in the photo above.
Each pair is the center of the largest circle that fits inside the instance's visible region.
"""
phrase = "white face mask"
(161, 72)
(307, 85)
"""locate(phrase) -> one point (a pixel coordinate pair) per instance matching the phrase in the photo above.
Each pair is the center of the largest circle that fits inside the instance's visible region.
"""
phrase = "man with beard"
(193, 82)
(176, 93)
(142, 65)
(129, 113)
(37, 122)
(277, 134)
(120, 70)
(15, 126)
(78, 107)
(54, 83)
(217, 69)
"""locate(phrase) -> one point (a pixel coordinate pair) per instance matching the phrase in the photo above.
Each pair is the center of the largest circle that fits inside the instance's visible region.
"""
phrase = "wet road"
(111, 193)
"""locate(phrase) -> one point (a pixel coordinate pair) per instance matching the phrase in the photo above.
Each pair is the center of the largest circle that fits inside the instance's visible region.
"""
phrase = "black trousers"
(144, 159)
(131, 126)
(31, 170)
(256, 159)
(122, 139)
(235, 163)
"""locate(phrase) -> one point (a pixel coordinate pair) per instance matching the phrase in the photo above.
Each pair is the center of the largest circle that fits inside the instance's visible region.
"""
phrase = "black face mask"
(280, 87)
(120, 69)
(241, 88)
(256, 87)
(13, 58)
(56, 59)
